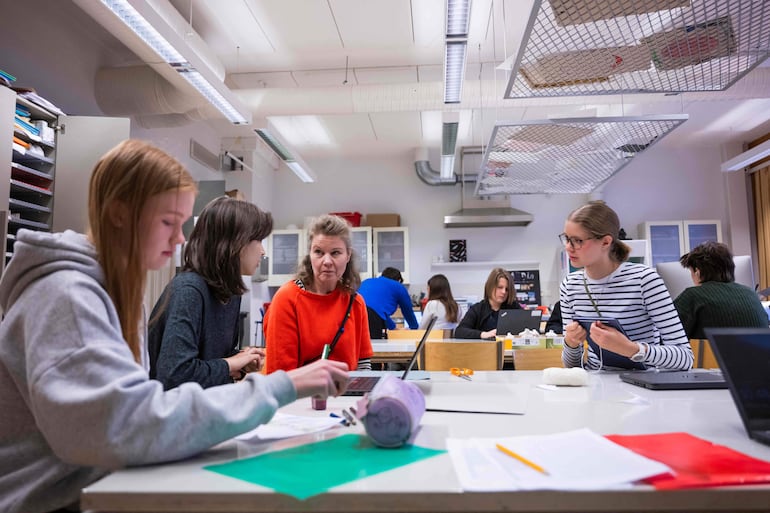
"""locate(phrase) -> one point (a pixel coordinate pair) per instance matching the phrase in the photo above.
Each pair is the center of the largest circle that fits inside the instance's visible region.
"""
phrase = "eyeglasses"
(573, 241)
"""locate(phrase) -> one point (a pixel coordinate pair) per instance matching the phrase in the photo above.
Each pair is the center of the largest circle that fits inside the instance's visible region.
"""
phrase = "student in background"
(382, 296)
(716, 301)
(321, 305)
(194, 327)
(554, 322)
(481, 319)
(609, 286)
(76, 400)
(440, 303)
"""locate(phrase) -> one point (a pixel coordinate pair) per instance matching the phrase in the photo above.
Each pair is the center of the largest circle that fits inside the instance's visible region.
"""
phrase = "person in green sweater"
(716, 301)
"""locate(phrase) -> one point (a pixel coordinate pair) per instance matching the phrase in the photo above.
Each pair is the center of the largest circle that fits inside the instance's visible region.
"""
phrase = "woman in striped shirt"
(609, 287)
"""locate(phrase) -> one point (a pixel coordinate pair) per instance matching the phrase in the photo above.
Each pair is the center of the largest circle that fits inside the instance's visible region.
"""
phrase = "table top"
(606, 406)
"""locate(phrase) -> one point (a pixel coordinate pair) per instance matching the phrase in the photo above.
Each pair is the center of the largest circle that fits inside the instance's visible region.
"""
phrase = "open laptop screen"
(744, 357)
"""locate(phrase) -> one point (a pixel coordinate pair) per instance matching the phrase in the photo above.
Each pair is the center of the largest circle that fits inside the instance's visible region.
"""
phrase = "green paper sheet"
(296, 472)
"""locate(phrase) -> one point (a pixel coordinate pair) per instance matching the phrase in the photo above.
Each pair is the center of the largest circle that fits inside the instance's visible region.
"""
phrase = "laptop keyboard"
(362, 383)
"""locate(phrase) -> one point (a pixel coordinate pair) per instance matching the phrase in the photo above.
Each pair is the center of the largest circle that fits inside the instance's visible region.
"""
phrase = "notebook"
(608, 358)
(361, 382)
(744, 357)
(516, 321)
(675, 380)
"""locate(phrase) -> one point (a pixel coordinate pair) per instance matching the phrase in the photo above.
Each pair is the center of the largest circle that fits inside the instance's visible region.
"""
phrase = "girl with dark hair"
(320, 306)
(77, 401)
(481, 319)
(608, 286)
(194, 328)
(440, 303)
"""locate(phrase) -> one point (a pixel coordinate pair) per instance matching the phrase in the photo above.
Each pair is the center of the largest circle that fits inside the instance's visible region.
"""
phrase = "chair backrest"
(537, 358)
(704, 356)
(476, 355)
(415, 334)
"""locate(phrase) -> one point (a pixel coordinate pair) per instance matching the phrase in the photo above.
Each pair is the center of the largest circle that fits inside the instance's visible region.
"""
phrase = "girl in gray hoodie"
(75, 395)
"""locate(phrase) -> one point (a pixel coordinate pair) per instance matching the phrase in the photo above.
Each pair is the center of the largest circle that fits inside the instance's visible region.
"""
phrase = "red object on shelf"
(354, 218)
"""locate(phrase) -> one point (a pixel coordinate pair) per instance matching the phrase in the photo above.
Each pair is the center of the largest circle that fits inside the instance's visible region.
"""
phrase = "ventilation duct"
(426, 173)
(140, 92)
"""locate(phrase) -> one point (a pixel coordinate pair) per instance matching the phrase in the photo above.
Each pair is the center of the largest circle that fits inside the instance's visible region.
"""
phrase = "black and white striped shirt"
(636, 296)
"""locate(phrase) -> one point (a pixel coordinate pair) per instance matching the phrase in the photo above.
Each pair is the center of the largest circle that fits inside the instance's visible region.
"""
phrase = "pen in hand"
(319, 403)
(522, 459)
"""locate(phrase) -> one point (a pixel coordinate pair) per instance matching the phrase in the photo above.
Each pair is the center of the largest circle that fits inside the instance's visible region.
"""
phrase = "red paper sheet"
(698, 463)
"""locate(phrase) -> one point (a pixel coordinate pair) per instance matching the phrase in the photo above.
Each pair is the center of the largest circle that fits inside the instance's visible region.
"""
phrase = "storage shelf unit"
(27, 195)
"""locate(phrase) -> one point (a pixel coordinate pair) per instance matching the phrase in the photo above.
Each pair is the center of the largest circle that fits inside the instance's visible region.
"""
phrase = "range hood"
(487, 217)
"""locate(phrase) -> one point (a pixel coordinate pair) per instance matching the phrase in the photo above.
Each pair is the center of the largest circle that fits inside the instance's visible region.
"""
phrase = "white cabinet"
(362, 245)
(285, 249)
(669, 240)
(391, 249)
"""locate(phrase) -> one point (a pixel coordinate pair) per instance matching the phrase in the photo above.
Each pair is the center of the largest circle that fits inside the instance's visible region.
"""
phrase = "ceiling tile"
(389, 75)
(390, 23)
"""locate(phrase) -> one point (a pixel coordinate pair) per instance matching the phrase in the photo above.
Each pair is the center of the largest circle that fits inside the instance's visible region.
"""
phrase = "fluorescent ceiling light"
(454, 70)
(458, 15)
(293, 161)
(300, 171)
(748, 157)
(210, 87)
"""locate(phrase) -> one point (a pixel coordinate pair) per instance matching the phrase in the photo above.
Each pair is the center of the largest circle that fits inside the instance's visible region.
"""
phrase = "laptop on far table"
(675, 380)
(516, 321)
(744, 357)
(361, 382)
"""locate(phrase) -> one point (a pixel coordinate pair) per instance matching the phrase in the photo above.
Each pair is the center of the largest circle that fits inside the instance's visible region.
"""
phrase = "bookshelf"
(59, 146)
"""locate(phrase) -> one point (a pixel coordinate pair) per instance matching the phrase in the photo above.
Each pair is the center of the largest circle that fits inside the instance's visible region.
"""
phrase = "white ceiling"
(357, 77)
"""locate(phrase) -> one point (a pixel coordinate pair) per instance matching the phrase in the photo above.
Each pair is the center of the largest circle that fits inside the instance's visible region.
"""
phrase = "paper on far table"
(575, 460)
(283, 425)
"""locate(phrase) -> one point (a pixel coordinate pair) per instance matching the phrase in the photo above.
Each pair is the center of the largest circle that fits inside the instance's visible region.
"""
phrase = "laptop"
(744, 357)
(361, 382)
(516, 321)
(675, 380)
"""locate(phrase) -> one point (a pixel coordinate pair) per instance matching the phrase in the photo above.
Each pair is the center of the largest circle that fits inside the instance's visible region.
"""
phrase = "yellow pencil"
(522, 459)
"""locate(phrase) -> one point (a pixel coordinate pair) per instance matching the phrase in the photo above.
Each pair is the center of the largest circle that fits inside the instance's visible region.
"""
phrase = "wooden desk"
(606, 406)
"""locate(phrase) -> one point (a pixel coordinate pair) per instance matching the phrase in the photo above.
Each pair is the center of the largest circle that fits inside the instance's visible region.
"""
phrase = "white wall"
(666, 184)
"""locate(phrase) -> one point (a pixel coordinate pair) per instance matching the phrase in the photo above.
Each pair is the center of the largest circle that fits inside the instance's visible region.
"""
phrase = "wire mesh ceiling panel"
(573, 155)
(590, 47)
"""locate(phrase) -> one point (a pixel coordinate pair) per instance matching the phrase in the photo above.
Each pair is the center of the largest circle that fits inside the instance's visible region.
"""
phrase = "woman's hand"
(322, 378)
(247, 360)
(574, 335)
(489, 334)
(611, 339)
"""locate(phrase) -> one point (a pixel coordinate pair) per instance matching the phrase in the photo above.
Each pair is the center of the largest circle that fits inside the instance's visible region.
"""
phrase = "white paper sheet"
(574, 460)
(283, 425)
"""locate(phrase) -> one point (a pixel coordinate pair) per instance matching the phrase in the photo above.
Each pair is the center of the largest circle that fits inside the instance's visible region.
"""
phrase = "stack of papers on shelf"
(575, 460)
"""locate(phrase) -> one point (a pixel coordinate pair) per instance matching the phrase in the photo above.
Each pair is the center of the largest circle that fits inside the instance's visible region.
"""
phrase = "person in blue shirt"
(382, 296)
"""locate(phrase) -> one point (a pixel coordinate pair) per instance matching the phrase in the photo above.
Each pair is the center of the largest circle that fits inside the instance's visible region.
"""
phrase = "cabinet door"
(666, 241)
(698, 232)
(80, 144)
(286, 248)
(391, 249)
(362, 245)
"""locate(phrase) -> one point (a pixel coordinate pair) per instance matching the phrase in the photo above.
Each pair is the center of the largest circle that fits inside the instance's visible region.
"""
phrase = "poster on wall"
(457, 251)
(527, 287)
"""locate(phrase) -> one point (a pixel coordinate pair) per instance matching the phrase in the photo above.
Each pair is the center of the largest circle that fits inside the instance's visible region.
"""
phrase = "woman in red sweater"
(306, 313)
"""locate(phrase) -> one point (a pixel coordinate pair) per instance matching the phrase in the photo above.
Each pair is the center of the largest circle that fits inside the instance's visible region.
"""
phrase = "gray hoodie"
(73, 402)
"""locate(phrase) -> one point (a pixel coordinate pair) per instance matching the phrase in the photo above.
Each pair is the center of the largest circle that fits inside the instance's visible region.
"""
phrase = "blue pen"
(342, 421)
